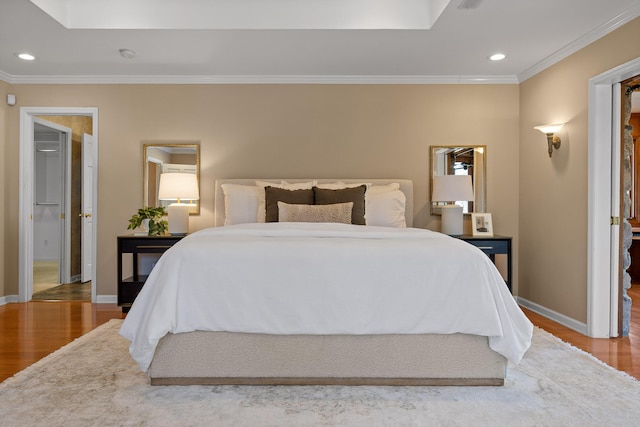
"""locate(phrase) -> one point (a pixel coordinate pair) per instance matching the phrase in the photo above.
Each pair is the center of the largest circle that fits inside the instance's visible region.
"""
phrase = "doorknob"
(87, 215)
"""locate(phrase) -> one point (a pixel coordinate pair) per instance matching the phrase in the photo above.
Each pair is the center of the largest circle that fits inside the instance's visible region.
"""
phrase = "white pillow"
(297, 185)
(378, 189)
(339, 185)
(287, 185)
(331, 185)
(385, 208)
(336, 212)
(241, 203)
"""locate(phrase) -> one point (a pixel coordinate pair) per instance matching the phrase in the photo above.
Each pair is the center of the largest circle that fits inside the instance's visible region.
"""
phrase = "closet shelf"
(47, 204)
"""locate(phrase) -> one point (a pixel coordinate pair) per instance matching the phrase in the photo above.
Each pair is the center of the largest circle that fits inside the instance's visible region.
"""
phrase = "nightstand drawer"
(150, 245)
(491, 246)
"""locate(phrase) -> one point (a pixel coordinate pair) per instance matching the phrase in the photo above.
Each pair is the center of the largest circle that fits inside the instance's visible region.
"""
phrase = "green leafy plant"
(157, 226)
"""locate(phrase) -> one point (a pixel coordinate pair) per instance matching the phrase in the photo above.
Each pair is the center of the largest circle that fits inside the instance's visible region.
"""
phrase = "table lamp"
(178, 186)
(449, 189)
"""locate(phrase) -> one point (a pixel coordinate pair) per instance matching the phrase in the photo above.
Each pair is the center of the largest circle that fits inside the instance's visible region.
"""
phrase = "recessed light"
(25, 56)
(127, 53)
(497, 57)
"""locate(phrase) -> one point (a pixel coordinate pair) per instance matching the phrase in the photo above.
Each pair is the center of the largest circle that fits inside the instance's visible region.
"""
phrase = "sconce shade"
(176, 186)
(451, 188)
(549, 129)
(552, 140)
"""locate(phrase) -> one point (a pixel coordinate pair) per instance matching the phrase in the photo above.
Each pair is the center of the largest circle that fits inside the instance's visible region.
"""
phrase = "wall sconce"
(552, 140)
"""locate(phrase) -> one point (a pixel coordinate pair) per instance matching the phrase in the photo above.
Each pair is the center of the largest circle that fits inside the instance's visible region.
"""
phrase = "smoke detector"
(469, 4)
(127, 53)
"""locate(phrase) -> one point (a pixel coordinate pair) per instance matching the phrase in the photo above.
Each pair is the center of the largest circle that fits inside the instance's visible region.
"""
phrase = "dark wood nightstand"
(129, 287)
(492, 245)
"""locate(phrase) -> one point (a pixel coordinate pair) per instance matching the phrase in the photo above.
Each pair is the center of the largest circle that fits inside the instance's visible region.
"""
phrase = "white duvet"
(299, 278)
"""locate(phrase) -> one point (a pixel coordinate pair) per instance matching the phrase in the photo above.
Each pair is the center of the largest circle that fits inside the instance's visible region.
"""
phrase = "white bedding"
(298, 278)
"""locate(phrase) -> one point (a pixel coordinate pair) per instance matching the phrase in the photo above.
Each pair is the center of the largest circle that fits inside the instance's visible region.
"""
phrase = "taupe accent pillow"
(354, 195)
(273, 195)
(338, 212)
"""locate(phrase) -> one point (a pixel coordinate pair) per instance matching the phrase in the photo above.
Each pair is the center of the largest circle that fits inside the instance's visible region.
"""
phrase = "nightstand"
(492, 245)
(129, 287)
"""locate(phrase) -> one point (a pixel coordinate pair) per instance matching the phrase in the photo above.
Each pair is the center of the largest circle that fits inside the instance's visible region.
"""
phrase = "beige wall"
(280, 131)
(4, 277)
(553, 192)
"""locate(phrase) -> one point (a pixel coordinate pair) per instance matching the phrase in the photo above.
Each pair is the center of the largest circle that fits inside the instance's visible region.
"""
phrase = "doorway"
(603, 243)
(30, 122)
(630, 196)
(51, 261)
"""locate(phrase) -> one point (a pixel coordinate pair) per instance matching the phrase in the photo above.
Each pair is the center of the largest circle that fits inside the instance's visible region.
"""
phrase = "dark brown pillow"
(355, 195)
(273, 195)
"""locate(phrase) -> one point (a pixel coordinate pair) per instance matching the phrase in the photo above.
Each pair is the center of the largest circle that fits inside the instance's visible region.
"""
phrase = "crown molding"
(597, 33)
(5, 77)
(256, 79)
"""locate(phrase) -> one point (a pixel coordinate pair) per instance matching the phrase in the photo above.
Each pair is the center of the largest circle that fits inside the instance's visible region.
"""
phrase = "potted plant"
(152, 218)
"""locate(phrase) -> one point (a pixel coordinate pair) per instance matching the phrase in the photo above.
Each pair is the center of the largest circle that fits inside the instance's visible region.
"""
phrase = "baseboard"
(554, 315)
(8, 298)
(107, 299)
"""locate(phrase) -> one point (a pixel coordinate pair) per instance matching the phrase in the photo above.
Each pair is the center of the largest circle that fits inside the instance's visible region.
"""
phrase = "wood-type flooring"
(30, 331)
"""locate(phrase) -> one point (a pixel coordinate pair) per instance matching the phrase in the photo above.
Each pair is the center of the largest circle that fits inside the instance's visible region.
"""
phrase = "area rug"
(93, 381)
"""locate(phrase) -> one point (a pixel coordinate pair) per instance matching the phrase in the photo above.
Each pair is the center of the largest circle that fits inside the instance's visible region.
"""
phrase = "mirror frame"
(145, 169)
(480, 202)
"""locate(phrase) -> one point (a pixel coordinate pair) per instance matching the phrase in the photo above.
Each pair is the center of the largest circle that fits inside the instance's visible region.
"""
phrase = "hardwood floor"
(30, 331)
(621, 353)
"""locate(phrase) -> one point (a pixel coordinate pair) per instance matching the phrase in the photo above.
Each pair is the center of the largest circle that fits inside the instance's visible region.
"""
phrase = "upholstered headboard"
(406, 186)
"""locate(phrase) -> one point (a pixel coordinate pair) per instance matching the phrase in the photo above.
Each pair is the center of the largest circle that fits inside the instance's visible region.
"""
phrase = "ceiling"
(255, 41)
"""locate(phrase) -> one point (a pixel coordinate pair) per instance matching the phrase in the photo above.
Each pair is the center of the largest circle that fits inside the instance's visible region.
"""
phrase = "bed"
(295, 303)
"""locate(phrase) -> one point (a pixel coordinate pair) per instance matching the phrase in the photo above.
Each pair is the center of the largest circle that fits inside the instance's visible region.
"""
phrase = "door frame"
(26, 190)
(601, 290)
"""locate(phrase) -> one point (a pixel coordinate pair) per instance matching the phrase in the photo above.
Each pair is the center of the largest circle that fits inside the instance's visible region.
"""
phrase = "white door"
(616, 215)
(87, 206)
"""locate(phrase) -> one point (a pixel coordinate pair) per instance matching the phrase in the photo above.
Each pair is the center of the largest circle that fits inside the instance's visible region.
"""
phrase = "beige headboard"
(406, 186)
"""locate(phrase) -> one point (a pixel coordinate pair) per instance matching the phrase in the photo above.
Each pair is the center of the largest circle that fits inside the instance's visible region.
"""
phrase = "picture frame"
(482, 224)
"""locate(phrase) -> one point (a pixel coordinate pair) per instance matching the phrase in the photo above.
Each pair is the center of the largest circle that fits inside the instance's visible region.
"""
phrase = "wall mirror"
(461, 160)
(161, 158)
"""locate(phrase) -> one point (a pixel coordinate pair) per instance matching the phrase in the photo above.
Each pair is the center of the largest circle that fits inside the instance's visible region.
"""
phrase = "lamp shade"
(176, 186)
(549, 129)
(452, 188)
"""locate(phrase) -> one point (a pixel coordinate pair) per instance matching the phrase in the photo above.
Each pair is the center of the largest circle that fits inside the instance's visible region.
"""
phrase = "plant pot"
(145, 226)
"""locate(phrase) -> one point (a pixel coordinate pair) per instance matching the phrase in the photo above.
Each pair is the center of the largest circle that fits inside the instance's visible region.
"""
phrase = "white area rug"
(93, 381)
